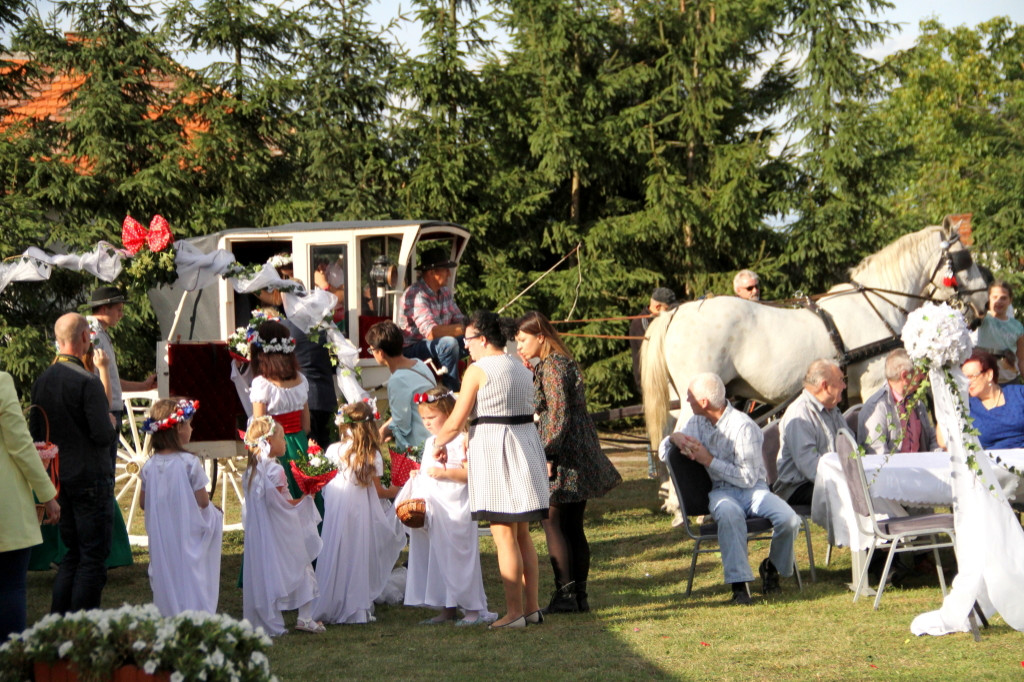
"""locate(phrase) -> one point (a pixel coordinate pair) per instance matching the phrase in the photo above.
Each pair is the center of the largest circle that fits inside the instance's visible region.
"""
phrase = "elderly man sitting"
(884, 423)
(728, 443)
(808, 430)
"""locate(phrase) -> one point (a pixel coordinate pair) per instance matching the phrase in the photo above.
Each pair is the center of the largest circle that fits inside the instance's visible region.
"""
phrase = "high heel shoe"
(535, 618)
(519, 622)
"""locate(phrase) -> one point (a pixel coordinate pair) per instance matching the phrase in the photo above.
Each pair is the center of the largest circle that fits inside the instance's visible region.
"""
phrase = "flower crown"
(282, 345)
(185, 411)
(261, 443)
(238, 342)
(344, 418)
(280, 260)
(426, 398)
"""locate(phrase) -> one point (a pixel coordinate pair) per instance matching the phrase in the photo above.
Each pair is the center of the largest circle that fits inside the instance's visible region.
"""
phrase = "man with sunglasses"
(747, 285)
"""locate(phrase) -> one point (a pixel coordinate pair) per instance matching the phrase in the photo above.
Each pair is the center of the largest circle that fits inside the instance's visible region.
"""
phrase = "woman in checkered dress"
(508, 483)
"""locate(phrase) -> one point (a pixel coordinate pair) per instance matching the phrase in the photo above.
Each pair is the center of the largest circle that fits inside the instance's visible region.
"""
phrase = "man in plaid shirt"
(432, 325)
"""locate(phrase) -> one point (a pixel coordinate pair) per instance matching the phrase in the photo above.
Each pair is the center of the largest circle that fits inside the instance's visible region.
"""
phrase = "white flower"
(177, 677)
(65, 649)
(149, 667)
(315, 461)
(938, 334)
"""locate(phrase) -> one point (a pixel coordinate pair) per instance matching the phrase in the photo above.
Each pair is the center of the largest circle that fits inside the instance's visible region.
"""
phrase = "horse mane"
(899, 264)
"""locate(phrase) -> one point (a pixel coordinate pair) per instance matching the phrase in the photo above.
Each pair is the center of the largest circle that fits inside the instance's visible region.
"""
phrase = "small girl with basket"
(184, 529)
(281, 541)
(444, 555)
(362, 540)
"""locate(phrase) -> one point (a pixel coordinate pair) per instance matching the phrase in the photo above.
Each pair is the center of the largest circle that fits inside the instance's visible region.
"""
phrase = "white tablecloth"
(919, 479)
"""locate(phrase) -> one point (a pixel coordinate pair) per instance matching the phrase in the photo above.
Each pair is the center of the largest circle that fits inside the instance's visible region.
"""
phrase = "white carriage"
(366, 264)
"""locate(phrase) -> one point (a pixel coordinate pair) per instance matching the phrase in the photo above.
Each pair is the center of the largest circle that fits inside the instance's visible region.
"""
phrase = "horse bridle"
(955, 262)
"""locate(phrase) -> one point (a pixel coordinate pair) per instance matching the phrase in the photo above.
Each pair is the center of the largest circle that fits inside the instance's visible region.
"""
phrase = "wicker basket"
(412, 512)
(49, 455)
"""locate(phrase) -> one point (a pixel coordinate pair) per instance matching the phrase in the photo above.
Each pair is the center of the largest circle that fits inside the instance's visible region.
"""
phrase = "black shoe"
(769, 577)
(581, 596)
(564, 600)
(741, 598)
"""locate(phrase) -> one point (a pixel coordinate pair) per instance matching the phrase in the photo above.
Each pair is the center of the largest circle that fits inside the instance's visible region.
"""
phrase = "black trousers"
(86, 522)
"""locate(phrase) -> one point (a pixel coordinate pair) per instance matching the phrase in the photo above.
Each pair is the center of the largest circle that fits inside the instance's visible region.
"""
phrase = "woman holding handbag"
(21, 474)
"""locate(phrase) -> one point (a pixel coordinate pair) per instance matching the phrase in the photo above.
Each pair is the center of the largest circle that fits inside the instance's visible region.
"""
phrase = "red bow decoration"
(134, 236)
(949, 282)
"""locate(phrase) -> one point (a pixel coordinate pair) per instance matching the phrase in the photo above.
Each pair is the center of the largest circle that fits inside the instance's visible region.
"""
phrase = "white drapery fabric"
(989, 538)
(35, 265)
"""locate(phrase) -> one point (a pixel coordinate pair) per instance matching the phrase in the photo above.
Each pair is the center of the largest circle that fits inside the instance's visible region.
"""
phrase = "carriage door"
(329, 270)
(378, 258)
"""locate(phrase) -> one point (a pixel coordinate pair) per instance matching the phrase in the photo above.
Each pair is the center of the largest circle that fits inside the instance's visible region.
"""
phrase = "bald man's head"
(72, 332)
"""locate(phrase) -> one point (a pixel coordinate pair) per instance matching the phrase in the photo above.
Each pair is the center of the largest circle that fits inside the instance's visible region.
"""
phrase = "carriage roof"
(204, 318)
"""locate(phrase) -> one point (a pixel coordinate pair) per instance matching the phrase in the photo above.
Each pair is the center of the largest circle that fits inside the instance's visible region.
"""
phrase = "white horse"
(763, 351)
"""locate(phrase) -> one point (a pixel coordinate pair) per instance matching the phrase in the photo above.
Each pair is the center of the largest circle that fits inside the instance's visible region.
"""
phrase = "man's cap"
(664, 295)
(106, 296)
(437, 257)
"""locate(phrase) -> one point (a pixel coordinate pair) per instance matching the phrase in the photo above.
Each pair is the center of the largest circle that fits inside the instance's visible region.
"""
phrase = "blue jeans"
(86, 522)
(445, 352)
(13, 600)
(731, 506)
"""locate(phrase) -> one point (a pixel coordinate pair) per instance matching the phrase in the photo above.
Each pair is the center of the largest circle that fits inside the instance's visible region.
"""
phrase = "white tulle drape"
(989, 538)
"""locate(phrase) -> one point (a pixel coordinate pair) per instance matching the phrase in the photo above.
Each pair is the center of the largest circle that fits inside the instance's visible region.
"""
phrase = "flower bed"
(96, 644)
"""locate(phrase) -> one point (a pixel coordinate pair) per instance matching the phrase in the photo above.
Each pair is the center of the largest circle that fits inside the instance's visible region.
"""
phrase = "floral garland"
(284, 345)
(342, 418)
(936, 337)
(262, 443)
(185, 411)
(426, 398)
(280, 260)
(238, 343)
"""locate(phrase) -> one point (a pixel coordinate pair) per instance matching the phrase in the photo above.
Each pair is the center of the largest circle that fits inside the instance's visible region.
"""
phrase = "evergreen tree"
(957, 105)
(845, 158)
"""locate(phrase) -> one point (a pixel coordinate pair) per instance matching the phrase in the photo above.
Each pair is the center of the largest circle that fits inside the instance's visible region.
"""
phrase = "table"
(920, 479)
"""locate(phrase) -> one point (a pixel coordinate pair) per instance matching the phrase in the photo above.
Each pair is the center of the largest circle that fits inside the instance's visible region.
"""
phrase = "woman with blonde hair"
(577, 468)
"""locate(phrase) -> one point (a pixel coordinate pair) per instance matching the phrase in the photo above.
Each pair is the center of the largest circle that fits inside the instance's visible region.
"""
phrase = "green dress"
(52, 550)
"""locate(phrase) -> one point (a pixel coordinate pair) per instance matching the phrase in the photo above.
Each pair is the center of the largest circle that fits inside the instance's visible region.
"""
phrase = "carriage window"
(330, 273)
(381, 252)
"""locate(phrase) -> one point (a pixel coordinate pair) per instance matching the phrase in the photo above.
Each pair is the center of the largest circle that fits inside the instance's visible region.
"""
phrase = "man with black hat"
(662, 299)
(432, 325)
(107, 305)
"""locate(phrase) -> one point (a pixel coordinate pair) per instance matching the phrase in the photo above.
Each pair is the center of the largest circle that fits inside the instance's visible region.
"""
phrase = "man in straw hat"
(432, 325)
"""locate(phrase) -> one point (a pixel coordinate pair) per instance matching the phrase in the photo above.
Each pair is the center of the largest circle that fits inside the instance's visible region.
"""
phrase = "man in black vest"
(79, 419)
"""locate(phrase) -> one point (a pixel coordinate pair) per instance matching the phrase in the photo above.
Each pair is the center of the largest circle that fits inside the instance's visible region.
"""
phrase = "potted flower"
(135, 643)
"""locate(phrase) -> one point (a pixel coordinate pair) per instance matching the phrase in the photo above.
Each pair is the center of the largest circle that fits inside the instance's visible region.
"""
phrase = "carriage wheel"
(225, 474)
(133, 450)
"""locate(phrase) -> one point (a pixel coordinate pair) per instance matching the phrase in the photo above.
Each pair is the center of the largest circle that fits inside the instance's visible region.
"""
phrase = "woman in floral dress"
(577, 468)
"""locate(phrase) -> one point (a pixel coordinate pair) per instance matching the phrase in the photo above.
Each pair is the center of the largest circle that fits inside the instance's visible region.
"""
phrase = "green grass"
(642, 626)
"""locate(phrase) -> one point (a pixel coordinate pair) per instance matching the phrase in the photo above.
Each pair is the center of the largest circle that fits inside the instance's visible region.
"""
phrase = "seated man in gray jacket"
(808, 431)
(884, 424)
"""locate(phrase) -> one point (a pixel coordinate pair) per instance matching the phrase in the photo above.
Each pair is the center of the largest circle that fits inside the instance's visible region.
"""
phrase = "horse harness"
(954, 261)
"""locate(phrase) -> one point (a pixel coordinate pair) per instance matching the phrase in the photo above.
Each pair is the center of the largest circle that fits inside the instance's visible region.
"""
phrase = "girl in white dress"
(444, 555)
(281, 541)
(362, 539)
(184, 529)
